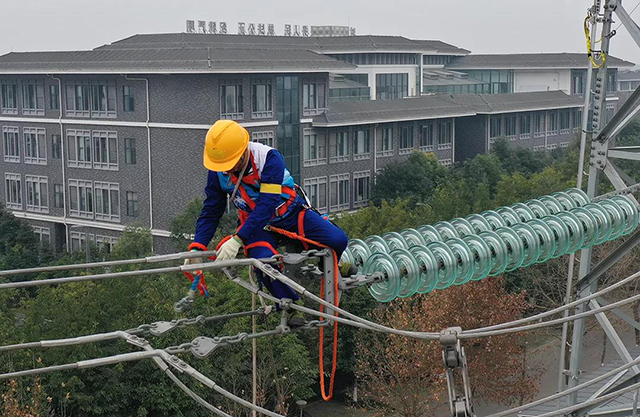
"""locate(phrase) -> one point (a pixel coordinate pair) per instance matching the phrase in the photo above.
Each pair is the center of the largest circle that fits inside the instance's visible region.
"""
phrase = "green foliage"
(413, 179)
(19, 247)
(183, 225)
(518, 159)
(374, 220)
(135, 242)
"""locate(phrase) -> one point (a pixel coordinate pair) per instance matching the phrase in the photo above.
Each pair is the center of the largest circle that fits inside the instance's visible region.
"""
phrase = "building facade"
(95, 141)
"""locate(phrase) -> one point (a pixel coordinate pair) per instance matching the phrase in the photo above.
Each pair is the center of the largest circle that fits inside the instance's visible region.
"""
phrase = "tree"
(19, 247)
(519, 159)
(413, 179)
(405, 377)
(184, 225)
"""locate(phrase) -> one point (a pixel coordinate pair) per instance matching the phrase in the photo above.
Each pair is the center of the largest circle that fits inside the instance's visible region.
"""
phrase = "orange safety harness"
(306, 242)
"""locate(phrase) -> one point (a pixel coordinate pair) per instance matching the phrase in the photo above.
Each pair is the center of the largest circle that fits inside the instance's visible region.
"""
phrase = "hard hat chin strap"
(242, 171)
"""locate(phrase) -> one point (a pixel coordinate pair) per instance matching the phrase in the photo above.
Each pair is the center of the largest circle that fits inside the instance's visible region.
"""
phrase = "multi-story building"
(94, 141)
(628, 82)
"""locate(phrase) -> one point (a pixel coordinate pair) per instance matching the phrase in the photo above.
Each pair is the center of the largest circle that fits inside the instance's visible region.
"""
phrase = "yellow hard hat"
(224, 146)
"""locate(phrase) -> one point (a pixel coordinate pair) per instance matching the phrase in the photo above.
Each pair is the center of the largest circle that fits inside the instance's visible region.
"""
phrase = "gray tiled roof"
(506, 103)
(441, 106)
(376, 111)
(335, 44)
(550, 60)
(629, 75)
(169, 60)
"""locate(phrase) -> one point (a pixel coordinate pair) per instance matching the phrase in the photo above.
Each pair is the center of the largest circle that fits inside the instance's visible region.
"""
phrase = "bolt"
(195, 343)
(174, 358)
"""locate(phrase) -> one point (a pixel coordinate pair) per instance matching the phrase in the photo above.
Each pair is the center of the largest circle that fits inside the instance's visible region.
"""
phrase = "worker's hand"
(229, 249)
(190, 261)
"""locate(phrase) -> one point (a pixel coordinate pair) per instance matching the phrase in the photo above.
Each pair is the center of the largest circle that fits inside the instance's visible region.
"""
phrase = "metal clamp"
(453, 357)
(357, 281)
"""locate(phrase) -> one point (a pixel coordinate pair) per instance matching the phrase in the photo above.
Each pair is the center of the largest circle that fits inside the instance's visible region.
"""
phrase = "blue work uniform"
(266, 196)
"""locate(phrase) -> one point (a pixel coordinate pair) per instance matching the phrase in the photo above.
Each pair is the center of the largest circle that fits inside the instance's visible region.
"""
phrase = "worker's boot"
(347, 269)
(295, 319)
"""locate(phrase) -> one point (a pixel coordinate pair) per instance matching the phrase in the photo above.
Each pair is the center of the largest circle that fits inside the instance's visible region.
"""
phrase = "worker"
(263, 191)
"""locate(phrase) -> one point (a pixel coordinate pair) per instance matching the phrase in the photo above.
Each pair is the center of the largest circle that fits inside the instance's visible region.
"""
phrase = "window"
(386, 143)
(106, 243)
(32, 98)
(577, 82)
(361, 144)
(128, 98)
(495, 128)
(316, 190)
(553, 123)
(54, 97)
(391, 86)
(132, 204)
(339, 192)
(103, 99)
(231, 101)
(406, 140)
(445, 135)
(445, 162)
(539, 127)
(314, 149)
(340, 147)
(611, 82)
(510, 126)
(11, 141)
(56, 146)
(43, 234)
(78, 241)
(77, 100)
(13, 191)
(266, 137)
(130, 151)
(9, 98)
(525, 126)
(37, 193)
(79, 142)
(361, 188)
(58, 196)
(565, 122)
(81, 198)
(261, 100)
(107, 199)
(313, 98)
(35, 148)
(577, 119)
(426, 137)
(105, 150)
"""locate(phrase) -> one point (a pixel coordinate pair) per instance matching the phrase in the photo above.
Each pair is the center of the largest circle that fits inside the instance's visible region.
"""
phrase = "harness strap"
(323, 391)
(301, 228)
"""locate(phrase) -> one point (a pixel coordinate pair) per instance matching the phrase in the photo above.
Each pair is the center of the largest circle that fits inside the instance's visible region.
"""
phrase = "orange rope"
(295, 236)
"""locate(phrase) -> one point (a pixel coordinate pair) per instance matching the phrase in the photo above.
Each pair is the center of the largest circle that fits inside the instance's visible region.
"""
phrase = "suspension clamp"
(453, 357)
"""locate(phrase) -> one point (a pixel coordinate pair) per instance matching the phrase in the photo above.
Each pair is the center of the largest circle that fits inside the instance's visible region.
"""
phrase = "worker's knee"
(338, 240)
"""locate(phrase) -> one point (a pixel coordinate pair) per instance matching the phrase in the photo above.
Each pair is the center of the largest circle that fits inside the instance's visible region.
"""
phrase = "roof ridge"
(486, 102)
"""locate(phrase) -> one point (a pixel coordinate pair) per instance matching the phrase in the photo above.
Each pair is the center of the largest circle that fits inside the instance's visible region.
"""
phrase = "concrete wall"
(542, 80)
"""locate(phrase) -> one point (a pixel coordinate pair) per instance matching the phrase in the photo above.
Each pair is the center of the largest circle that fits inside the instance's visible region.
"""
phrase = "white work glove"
(229, 249)
(190, 261)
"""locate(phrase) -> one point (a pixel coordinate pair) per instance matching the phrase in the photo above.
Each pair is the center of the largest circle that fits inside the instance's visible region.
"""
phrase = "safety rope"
(587, 34)
(323, 392)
